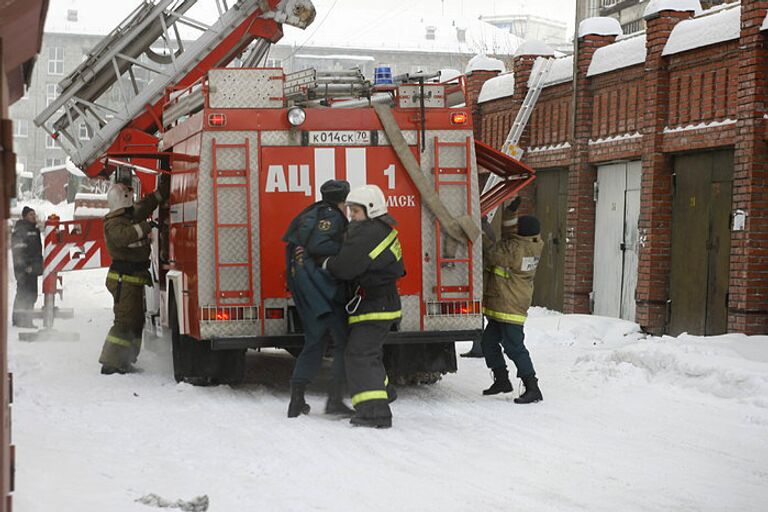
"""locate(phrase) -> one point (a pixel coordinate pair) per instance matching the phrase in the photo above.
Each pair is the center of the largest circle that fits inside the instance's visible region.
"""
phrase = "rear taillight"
(459, 118)
(217, 120)
(275, 313)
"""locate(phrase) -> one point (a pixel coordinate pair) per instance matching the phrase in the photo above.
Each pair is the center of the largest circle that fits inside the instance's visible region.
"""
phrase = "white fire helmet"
(119, 196)
(371, 198)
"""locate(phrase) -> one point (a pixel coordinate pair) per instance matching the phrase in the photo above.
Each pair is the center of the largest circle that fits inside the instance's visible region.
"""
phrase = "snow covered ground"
(628, 424)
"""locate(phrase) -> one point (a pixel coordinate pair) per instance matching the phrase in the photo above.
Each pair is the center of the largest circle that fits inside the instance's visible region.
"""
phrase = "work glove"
(514, 205)
(298, 252)
(487, 229)
(153, 224)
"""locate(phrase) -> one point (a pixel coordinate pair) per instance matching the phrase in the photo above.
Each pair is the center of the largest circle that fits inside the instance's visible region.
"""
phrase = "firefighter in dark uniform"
(316, 233)
(510, 268)
(372, 259)
(126, 231)
(27, 253)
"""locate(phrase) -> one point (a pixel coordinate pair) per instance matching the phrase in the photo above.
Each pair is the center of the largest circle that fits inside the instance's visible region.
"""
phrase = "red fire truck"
(245, 149)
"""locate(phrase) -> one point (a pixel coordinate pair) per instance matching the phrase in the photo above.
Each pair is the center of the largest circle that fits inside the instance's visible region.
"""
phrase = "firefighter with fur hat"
(126, 232)
(372, 259)
(313, 235)
(510, 268)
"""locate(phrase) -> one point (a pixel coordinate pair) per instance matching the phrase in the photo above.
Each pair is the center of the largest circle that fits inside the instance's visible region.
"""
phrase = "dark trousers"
(26, 296)
(123, 342)
(366, 376)
(317, 333)
(511, 337)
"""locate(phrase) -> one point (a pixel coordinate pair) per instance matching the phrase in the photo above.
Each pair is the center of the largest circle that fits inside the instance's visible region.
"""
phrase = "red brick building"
(652, 162)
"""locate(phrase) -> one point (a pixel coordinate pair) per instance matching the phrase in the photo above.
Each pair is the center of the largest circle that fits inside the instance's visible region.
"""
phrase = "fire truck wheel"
(418, 378)
(419, 363)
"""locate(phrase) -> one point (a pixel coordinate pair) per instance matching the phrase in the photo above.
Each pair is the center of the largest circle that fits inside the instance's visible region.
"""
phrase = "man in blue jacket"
(315, 234)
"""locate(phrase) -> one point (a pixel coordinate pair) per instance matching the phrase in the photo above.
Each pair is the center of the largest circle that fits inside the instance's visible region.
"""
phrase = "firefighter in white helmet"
(126, 231)
(371, 258)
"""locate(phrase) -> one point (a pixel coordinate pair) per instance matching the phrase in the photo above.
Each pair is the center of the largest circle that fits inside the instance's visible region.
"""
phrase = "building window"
(50, 142)
(632, 27)
(86, 133)
(52, 162)
(461, 35)
(431, 33)
(56, 60)
(21, 128)
(52, 92)
(72, 15)
(274, 63)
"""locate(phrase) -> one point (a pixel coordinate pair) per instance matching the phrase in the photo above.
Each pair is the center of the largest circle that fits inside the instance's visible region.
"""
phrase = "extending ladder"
(155, 30)
(540, 72)
(232, 232)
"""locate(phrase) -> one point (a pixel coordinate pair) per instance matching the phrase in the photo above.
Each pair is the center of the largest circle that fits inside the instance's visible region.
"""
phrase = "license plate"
(340, 138)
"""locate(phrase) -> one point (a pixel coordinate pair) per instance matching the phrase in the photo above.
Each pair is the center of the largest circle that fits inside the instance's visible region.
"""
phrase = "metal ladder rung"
(235, 294)
(232, 146)
(230, 173)
(230, 265)
(232, 225)
(452, 170)
(232, 185)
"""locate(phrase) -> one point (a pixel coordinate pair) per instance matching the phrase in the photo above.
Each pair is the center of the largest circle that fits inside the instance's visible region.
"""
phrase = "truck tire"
(419, 363)
(196, 363)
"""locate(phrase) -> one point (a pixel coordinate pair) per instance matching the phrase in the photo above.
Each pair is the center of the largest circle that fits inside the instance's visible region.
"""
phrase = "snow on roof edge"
(501, 86)
(716, 26)
(600, 26)
(482, 62)
(656, 6)
(534, 47)
(623, 53)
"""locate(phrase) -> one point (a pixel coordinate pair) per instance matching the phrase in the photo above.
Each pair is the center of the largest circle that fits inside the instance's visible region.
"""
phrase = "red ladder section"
(514, 176)
(223, 179)
(465, 173)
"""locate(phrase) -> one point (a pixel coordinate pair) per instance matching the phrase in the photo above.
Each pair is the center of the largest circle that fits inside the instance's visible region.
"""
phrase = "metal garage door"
(616, 239)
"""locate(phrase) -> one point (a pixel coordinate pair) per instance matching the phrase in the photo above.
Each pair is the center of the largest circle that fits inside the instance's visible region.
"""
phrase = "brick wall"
(638, 113)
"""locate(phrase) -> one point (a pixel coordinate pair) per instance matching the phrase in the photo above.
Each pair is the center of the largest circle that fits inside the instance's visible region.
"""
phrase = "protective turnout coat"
(510, 267)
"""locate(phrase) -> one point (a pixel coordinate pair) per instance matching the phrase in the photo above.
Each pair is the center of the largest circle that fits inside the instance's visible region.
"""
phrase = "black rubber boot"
(532, 392)
(298, 405)
(475, 351)
(111, 370)
(500, 384)
(335, 403)
(373, 415)
(371, 422)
